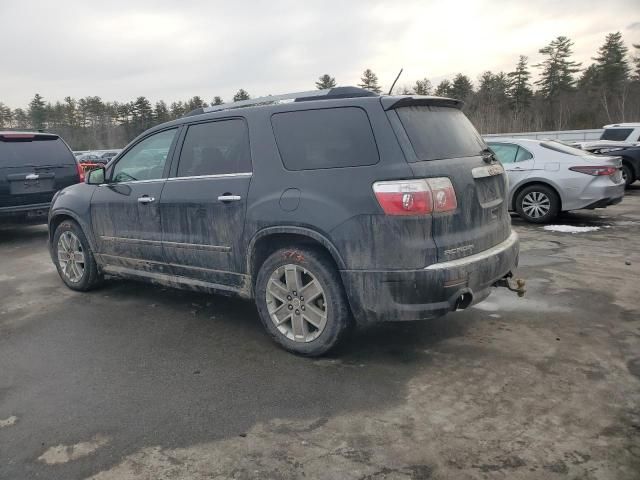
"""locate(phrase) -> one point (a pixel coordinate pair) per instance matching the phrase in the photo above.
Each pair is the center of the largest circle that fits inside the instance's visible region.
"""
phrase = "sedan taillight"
(416, 197)
(595, 171)
(80, 172)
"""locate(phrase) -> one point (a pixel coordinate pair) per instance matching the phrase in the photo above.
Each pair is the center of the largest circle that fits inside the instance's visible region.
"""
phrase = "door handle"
(146, 199)
(229, 198)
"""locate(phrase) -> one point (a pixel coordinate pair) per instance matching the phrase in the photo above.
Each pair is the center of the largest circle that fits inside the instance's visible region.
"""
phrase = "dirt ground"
(137, 382)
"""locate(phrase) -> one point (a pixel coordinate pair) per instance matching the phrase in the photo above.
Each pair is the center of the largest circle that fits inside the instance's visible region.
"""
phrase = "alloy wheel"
(536, 204)
(71, 257)
(297, 303)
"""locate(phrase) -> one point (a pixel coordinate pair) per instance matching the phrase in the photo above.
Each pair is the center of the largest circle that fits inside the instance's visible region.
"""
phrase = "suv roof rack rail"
(327, 94)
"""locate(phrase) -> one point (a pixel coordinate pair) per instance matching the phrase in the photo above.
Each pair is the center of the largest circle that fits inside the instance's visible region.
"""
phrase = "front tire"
(301, 301)
(73, 257)
(538, 204)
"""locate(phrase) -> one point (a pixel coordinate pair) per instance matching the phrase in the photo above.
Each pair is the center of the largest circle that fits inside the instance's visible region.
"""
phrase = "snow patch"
(570, 229)
(7, 422)
(66, 453)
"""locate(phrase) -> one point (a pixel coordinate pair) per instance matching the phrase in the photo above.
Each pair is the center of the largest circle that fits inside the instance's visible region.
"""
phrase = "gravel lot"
(137, 382)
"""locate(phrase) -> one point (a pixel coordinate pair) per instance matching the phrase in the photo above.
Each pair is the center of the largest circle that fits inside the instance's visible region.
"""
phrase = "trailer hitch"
(505, 281)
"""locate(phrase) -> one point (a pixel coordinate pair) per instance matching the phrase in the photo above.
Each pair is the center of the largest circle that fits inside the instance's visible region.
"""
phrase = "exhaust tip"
(464, 301)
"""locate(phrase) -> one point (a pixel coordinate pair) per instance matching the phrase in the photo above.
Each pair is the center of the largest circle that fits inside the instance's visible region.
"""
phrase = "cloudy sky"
(173, 50)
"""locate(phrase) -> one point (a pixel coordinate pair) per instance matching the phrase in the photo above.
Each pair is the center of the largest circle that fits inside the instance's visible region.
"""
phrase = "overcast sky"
(173, 50)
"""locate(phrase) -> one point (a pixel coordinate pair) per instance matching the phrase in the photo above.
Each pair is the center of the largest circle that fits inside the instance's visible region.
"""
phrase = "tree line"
(566, 95)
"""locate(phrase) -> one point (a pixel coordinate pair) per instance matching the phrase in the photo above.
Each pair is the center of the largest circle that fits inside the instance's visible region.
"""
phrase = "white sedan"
(547, 177)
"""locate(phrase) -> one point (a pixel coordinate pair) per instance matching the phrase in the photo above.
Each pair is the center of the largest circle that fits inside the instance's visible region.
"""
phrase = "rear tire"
(73, 257)
(627, 175)
(538, 204)
(308, 326)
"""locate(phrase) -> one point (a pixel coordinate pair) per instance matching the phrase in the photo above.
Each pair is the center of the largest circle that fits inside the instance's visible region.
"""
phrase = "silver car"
(547, 177)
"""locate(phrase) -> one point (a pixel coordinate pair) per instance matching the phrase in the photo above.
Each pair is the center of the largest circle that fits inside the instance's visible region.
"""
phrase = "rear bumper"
(397, 295)
(600, 193)
(37, 211)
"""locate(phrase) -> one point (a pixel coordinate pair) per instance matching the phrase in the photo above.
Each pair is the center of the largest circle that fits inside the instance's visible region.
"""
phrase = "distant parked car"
(33, 167)
(629, 152)
(90, 158)
(107, 156)
(622, 132)
(547, 177)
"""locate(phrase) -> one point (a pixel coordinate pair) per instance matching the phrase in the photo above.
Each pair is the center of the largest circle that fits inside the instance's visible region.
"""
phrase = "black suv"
(33, 166)
(323, 207)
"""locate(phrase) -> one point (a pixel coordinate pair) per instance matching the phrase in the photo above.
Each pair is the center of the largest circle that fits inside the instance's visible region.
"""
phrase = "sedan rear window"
(35, 153)
(440, 132)
(616, 134)
(326, 138)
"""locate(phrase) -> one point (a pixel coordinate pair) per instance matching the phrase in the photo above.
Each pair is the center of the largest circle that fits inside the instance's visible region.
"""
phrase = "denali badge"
(466, 250)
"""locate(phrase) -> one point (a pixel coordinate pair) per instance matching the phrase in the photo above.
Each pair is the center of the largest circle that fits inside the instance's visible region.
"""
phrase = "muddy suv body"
(324, 207)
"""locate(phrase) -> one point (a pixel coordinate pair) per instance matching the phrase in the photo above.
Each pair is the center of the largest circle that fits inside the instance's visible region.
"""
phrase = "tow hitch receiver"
(506, 282)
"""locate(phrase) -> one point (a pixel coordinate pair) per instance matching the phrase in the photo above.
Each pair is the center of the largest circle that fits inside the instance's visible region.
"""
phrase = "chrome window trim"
(219, 175)
(134, 182)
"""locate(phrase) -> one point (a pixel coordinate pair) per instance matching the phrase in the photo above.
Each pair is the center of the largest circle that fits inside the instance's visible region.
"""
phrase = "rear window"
(616, 134)
(36, 153)
(440, 132)
(327, 138)
(563, 148)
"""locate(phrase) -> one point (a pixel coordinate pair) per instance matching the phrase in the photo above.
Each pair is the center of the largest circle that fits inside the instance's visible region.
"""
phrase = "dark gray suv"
(324, 207)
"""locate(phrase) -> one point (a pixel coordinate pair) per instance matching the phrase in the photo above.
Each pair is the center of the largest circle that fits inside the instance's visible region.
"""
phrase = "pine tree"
(143, 114)
(37, 112)
(325, 81)
(422, 87)
(611, 63)
(370, 81)
(5, 116)
(636, 61)
(519, 88)
(557, 68)
(240, 95)
(217, 101)
(161, 112)
(461, 88)
(20, 119)
(177, 109)
(443, 89)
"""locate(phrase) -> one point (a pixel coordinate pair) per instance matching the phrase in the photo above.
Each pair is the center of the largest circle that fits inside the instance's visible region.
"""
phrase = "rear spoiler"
(397, 101)
(26, 136)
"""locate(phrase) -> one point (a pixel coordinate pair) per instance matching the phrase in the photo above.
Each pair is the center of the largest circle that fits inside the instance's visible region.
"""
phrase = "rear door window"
(325, 138)
(616, 134)
(35, 153)
(215, 148)
(506, 152)
(440, 132)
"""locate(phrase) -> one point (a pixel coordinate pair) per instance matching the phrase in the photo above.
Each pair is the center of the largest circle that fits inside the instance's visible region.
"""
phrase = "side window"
(506, 152)
(523, 154)
(326, 138)
(215, 148)
(146, 160)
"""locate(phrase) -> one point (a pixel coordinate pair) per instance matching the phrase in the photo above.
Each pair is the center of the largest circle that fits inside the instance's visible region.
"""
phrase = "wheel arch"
(534, 181)
(60, 216)
(268, 240)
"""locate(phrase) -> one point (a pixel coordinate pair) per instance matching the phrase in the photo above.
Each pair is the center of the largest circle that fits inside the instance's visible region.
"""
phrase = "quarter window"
(325, 138)
(506, 152)
(146, 160)
(215, 148)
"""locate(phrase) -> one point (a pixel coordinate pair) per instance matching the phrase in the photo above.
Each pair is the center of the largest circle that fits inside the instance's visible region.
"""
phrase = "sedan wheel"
(536, 204)
(71, 257)
(297, 303)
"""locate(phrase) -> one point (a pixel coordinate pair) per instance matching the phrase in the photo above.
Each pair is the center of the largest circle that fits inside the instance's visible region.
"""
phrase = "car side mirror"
(96, 176)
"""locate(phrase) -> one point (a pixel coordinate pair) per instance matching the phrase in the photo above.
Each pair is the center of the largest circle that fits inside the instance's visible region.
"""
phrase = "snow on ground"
(569, 229)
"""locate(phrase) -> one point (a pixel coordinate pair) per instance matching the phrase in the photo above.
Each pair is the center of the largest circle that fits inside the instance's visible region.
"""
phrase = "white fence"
(564, 135)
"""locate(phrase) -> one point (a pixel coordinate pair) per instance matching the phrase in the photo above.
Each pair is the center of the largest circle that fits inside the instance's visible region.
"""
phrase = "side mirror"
(96, 176)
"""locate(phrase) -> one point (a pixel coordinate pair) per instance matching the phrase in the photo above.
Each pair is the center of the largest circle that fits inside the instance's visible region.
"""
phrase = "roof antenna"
(394, 82)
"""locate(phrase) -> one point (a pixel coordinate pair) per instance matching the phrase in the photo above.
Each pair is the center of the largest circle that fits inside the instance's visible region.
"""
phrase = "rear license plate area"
(490, 190)
(25, 187)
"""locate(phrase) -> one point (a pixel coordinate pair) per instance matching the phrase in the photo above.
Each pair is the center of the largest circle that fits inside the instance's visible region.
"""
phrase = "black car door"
(203, 204)
(125, 211)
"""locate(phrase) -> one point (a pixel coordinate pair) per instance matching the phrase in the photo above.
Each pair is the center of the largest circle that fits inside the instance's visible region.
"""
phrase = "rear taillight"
(595, 171)
(416, 197)
(80, 172)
